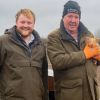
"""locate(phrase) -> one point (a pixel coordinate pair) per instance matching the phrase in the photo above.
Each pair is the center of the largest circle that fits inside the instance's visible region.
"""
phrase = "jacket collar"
(65, 36)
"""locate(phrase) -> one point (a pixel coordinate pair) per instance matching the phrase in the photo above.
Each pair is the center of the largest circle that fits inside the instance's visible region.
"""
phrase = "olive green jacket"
(23, 70)
(74, 75)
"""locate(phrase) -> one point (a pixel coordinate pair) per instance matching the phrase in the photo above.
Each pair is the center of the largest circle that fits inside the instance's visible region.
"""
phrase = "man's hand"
(91, 52)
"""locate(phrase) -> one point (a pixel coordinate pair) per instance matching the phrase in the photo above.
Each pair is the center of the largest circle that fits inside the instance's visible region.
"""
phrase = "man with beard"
(71, 58)
(23, 63)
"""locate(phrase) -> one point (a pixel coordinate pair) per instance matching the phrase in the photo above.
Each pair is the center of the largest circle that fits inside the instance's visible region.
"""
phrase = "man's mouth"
(25, 29)
(73, 24)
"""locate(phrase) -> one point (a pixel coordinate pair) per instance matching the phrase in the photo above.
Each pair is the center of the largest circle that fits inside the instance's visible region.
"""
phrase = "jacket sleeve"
(2, 56)
(2, 51)
(59, 57)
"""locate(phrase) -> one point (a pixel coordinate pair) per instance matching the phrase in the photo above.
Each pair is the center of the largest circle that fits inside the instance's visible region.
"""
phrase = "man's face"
(71, 22)
(25, 25)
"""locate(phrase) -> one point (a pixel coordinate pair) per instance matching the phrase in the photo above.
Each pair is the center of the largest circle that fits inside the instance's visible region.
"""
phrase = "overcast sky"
(48, 14)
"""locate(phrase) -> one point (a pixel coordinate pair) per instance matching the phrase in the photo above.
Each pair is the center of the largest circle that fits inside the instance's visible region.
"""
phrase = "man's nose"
(25, 24)
(73, 19)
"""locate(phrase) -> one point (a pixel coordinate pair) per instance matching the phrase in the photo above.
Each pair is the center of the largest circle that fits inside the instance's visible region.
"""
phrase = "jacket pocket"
(71, 90)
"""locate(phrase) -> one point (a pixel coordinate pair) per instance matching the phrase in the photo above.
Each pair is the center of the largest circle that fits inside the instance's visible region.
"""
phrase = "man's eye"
(29, 23)
(22, 22)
